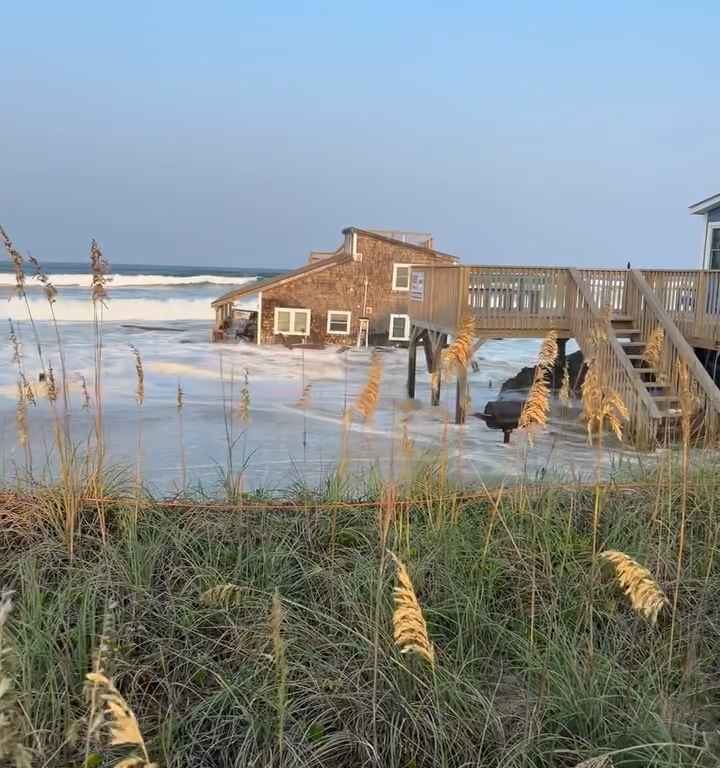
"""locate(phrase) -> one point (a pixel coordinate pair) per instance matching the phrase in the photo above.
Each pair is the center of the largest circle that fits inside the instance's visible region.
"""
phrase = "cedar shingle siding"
(342, 287)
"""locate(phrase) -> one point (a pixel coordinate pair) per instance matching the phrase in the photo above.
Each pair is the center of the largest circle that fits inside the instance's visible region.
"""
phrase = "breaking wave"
(133, 281)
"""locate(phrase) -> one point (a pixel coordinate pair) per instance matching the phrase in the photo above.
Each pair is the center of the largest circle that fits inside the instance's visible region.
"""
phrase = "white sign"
(417, 286)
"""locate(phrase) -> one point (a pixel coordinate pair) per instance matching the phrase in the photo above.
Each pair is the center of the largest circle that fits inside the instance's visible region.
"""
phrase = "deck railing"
(534, 299)
(691, 298)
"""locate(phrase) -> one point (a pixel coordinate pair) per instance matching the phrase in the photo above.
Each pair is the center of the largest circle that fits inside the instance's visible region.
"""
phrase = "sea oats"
(564, 394)
(17, 262)
(21, 423)
(99, 269)
(409, 627)
(655, 349)
(602, 405)
(243, 410)
(51, 385)
(646, 597)
(39, 273)
(222, 594)
(457, 356)
(548, 351)
(369, 398)
(139, 376)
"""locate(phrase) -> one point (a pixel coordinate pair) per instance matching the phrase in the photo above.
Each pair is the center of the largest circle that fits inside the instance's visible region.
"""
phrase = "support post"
(461, 397)
(435, 386)
(412, 361)
(559, 371)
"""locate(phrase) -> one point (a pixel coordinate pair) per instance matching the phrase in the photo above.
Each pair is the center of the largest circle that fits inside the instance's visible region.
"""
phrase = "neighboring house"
(366, 278)
(710, 209)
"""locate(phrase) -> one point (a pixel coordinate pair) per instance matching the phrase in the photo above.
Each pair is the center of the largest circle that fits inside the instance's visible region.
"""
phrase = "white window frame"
(347, 315)
(711, 227)
(293, 312)
(407, 329)
(396, 267)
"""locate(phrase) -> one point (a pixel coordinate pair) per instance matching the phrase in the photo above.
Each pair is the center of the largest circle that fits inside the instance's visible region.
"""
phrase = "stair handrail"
(613, 343)
(684, 351)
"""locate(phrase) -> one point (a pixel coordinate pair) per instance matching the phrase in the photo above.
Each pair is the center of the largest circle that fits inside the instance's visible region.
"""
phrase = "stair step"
(658, 398)
(654, 371)
(621, 319)
(632, 344)
(623, 332)
(655, 385)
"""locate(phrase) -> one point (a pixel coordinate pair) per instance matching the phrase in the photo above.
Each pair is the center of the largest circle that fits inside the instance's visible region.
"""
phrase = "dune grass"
(252, 638)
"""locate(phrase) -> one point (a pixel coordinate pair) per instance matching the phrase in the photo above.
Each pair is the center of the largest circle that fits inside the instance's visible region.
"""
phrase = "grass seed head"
(17, 262)
(99, 272)
(180, 399)
(564, 394)
(369, 398)
(456, 357)
(536, 409)
(139, 376)
(548, 351)
(646, 597)
(602, 405)
(40, 275)
(244, 404)
(409, 627)
(222, 594)
(655, 349)
(21, 422)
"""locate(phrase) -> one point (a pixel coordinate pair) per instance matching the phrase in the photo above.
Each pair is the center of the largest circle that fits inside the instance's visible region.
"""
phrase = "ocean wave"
(116, 310)
(132, 281)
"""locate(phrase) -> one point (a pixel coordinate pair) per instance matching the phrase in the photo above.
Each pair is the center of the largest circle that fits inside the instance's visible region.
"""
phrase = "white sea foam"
(117, 310)
(134, 281)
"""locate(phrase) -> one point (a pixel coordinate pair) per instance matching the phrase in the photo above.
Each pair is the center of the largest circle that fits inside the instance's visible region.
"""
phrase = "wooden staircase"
(658, 387)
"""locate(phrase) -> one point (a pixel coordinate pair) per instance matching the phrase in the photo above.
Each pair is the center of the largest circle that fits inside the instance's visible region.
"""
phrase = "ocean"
(164, 312)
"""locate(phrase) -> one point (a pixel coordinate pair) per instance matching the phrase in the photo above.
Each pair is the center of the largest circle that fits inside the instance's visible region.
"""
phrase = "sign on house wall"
(417, 286)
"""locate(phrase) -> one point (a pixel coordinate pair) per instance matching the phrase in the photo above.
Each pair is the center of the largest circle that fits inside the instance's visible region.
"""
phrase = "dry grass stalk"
(369, 398)
(222, 594)
(602, 405)
(28, 390)
(409, 627)
(646, 597)
(122, 723)
(51, 385)
(15, 343)
(304, 401)
(244, 402)
(40, 274)
(536, 409)
(180, 397)
(139, 375)
(548, 351)
(100, 658)
(21, 422)
(99, 269)
(12, 749)
(604, 761)
(17, 262)
(655, 349)
(85, 393)
(407, 444)
(688, 402)
(278, 644)
(456, 357)
(564, 394)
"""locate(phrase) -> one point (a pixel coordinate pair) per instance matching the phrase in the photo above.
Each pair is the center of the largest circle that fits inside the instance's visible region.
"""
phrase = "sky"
(247, 134)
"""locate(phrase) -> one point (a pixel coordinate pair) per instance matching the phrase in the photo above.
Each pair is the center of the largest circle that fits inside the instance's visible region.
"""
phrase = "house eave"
(708, 204)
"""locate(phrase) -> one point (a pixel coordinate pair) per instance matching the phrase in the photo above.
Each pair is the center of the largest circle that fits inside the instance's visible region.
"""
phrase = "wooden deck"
(626, 305)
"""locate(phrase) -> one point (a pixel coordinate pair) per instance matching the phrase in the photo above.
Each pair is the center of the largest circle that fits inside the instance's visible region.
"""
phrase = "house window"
(399, 328)
(338, 321)
(293, 322)
(401, 277)
(714, 260)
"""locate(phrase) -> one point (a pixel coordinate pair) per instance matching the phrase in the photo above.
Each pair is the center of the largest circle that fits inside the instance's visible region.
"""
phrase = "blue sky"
(238, 133)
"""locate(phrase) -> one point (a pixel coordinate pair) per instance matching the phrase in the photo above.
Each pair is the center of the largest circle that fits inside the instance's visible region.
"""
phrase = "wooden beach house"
(359, 291)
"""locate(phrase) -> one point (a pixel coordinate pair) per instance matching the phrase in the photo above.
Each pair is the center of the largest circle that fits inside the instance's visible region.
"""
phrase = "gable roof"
(316, 266)
(286, 277)
(706, 205)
